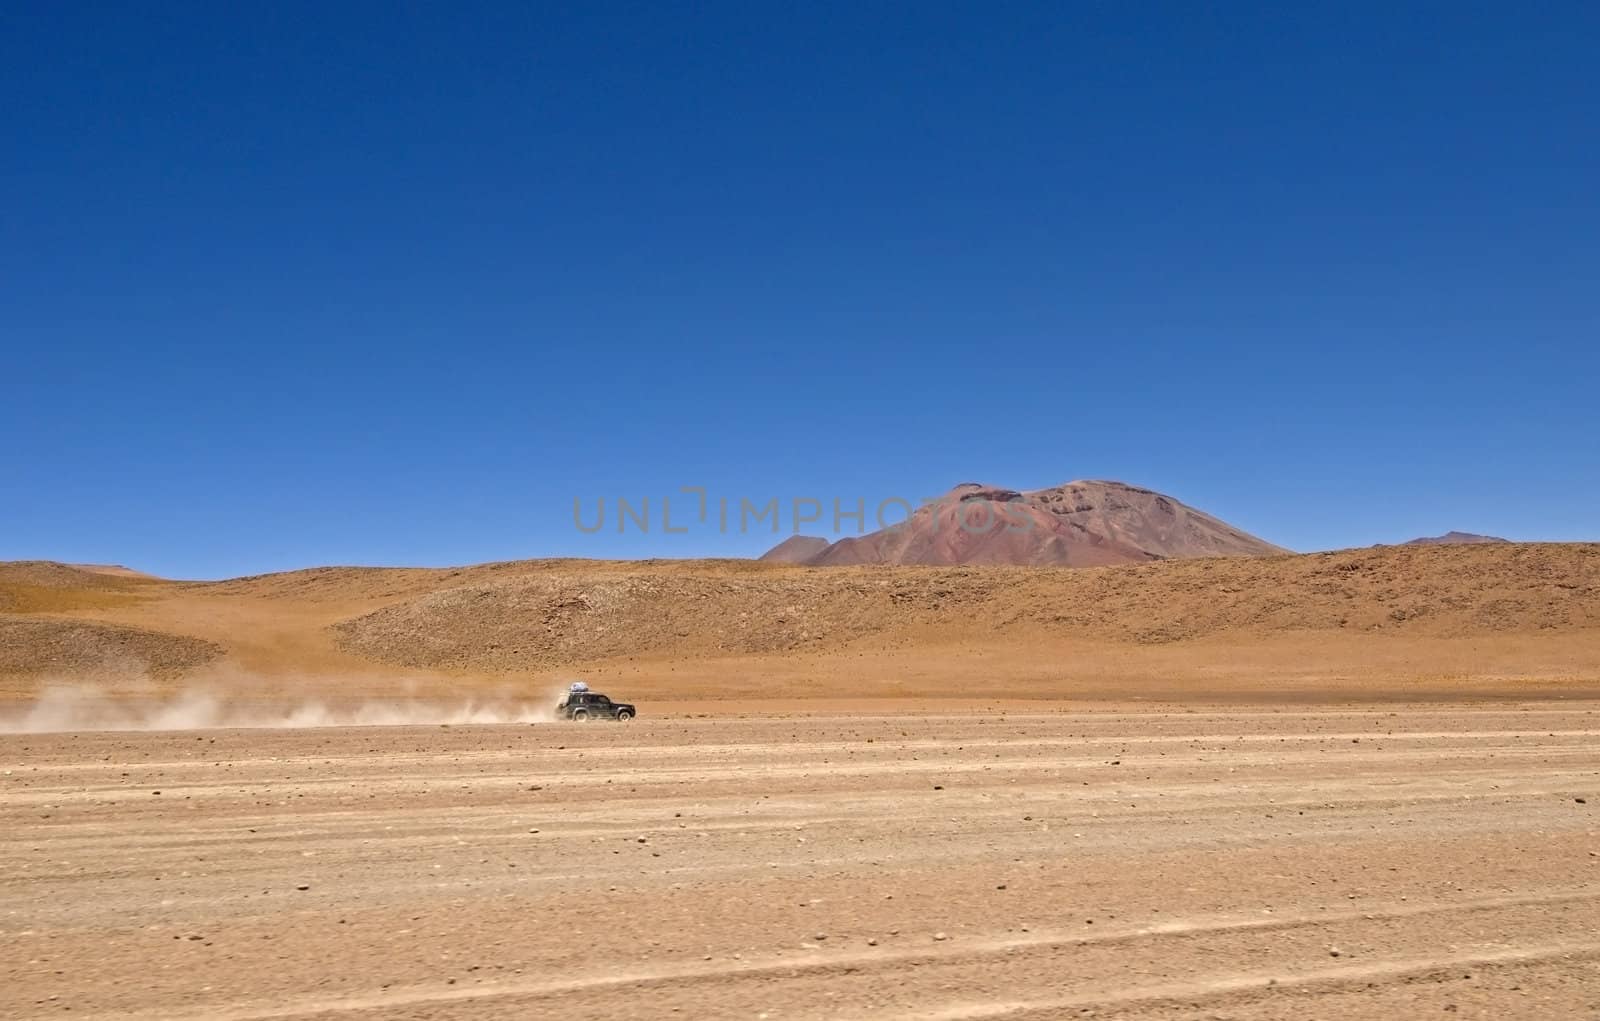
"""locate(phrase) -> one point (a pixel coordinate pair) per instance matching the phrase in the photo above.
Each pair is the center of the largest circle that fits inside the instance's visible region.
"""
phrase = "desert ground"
(944, 861)
(1352, 785)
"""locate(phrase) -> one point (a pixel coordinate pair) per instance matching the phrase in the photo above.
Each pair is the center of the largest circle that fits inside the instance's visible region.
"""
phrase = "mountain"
(1078, 524)
(797, 549)
(1454, 539)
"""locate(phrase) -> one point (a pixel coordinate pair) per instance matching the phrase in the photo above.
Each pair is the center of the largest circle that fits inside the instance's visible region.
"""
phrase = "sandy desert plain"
(1347, 785)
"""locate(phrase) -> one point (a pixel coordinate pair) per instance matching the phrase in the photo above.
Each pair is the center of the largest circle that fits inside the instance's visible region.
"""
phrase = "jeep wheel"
(623, 715)
(581, 715)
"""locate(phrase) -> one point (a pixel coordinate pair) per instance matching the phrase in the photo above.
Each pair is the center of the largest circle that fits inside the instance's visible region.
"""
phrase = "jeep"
(591, 705)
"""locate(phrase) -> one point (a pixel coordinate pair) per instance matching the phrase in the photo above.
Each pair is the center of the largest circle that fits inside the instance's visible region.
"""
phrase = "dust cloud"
(68, 708)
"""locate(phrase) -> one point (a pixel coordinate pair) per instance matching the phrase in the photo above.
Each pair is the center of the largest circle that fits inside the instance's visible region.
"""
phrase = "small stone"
(303, 887)
(819, 937)
(940, 937)
(872, 942)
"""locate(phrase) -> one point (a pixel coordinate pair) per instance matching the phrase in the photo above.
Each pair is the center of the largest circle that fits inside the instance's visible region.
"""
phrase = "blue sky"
(294, 284)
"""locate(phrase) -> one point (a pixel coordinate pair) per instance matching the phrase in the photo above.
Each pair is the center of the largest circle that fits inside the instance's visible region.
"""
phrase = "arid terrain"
(1498, 619)
(979, 860)
(1350, 785)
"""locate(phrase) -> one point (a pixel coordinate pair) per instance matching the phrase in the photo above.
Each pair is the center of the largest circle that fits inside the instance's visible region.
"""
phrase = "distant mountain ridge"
(1454, 539)
(1086, 523)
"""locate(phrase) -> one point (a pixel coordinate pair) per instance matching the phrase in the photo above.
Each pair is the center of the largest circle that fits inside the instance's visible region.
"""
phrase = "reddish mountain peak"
(979, 491)
(1079, 524)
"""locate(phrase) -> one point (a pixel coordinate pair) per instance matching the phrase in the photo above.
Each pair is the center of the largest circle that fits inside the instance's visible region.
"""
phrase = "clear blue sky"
(287, 284)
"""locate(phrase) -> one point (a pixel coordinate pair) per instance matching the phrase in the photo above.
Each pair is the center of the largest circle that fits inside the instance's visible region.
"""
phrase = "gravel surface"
(1435, 861)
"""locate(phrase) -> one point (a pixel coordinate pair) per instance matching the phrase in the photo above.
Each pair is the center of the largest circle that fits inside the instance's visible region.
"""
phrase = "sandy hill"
(117, 570)
(1077, 524)
(1495, 614)
(44, 585)
(527, 620)
(71, 649)
(50, 574)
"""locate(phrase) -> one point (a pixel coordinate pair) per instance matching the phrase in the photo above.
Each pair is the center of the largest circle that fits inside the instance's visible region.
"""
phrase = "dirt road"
(1436, 861)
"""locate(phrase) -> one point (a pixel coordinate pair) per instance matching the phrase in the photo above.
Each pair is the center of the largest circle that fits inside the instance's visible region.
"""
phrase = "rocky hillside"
(85, 650)
(525, 621)
(751, 628)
